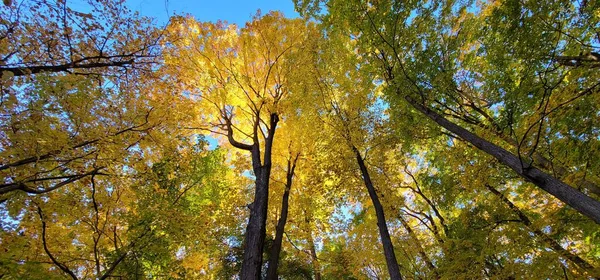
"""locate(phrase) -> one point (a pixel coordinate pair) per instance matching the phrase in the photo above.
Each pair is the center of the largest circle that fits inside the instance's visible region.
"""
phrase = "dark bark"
(44, 156)
(32, 159)
(540, 160)
(581, 263)
(430, 203)
(565, 193)
(280, 229)
(590, 59)
(558, 170)
(23, 186)
(561, 171)
(31, 70)
(125, 252)
(388, 248)
(113, 266)
(60, 265)
(256, 230)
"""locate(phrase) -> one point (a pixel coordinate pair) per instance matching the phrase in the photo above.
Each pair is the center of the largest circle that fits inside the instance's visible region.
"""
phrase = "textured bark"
(388, 248)
(565, 193)
(590, 59)
(579, 262)
(256, 230)
(540, 160)
(280, 229)
(561, 171)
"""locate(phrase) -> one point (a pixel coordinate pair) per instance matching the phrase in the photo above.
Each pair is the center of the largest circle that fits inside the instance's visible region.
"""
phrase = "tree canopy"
(365, 140)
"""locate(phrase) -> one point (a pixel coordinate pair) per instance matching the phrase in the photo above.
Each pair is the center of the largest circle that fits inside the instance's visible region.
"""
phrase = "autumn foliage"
(365, 140)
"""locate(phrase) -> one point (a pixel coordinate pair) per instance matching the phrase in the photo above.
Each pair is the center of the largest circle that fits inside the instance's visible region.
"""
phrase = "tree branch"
(5, 188)
(60, 265)
(30, 70)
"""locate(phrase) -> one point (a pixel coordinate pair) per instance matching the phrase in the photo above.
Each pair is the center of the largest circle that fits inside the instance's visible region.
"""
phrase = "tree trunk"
(256, 230)
(388, 248)
(276, 248)
(565, 193)
(540, 160)
(581, 263)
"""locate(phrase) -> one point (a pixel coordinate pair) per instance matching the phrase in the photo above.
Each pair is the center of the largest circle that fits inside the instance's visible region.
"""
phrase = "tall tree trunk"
(256, 230)
(565, 193)
(540, 160)
(276, 248)
(581, 263)
(388, 248)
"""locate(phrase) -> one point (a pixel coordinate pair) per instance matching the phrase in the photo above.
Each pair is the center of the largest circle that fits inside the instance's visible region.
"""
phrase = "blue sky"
(232, 11)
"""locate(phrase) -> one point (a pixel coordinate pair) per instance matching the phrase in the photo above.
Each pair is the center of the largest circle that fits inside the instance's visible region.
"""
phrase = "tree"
(69, 82)
(288, 164)
(410, 141)
(463, 63)
(51, 37)
(245, 76)
(435, 74)
(85, 114)
(350, 97)
(280, 229)
(128, 227)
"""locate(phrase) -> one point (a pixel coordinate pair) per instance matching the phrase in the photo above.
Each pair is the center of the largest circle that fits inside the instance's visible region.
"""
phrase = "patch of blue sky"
(231, 11)
(342, 217)
(380, 105)
(496, 108)
(9, 222)
(213, 143)
(249, 174)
